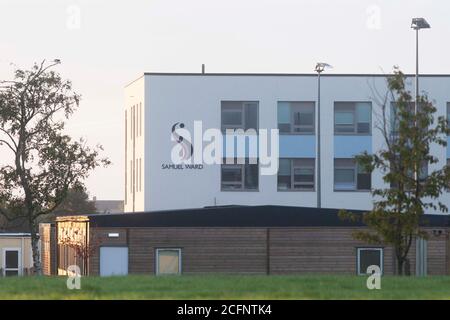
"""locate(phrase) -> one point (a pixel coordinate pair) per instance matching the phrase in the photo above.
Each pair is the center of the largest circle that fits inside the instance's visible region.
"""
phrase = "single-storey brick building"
(231, 239)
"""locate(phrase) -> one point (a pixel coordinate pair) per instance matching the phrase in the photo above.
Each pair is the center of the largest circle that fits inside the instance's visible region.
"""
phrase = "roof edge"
(287, 74)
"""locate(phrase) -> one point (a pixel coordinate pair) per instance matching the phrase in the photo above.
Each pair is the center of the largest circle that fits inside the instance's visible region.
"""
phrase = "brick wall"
(258, 250)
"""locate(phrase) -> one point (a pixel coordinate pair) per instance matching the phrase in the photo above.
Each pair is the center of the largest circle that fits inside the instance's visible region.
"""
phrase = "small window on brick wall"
(367, 257)
(168, 261)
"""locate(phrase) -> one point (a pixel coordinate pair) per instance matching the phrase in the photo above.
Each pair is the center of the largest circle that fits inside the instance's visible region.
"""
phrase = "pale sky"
(104, 44)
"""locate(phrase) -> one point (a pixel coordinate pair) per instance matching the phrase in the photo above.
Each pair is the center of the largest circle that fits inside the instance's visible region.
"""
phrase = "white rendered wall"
(134, 96)
(186, 98)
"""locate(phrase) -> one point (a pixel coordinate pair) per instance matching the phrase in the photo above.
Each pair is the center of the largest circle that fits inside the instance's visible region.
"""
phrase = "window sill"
(296, 134)
(340, 190)
(353, 134)
(239, 190)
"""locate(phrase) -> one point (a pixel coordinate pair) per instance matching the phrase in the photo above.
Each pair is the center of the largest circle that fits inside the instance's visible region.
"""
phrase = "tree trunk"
(399, 266)
(35, 249)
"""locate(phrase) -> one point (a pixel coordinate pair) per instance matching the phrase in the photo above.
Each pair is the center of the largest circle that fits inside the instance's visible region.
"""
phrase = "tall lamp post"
(417, 24)
(320, 67)
(421, 260)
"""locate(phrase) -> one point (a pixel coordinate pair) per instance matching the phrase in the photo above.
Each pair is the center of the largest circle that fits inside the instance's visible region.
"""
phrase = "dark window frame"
(243, 167)
(292, 125)
(351, 106)
(243, 108)
(180, 260)
(358, 259)
(293, 167)
(356, 168)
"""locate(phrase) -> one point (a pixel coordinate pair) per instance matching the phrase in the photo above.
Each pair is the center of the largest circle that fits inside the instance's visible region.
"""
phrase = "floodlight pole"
(319, 189)
(421, 260)
(320, 67)
(417, 71)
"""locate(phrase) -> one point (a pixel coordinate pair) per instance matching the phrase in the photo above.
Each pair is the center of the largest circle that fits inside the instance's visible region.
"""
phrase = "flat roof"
(287, 74)
(14, 235)
(225, 74)
(237, 216)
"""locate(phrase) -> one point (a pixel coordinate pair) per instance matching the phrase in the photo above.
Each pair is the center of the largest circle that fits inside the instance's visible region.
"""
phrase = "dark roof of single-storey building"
(240, 216)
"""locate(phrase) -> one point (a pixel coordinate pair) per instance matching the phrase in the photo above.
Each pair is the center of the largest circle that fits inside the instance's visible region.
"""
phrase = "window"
(137, 120)
(131, 176)
(236, 177)
(348, 175)
(168, 261)
(296, 117)
(368, 257)
(352, 117)
(423, 174)
(296, 174)
(140, 174)
(395, 117)
(239, 115)
(448, 113)
(137, 175)
(11, 262)
(132, 123)
(140, 119)
(448, 184)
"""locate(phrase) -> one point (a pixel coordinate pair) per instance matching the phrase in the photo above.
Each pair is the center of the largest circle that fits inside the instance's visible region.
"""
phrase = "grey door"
(113, 261)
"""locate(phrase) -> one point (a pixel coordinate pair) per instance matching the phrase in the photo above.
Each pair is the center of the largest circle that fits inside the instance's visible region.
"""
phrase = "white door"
(113, 261)
(12, 265)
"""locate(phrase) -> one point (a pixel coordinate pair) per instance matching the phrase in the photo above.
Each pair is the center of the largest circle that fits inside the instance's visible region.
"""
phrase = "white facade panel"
(177, 98)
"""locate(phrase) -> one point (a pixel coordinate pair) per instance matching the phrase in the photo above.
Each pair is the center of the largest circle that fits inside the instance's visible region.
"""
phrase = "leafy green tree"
(409, 189)
(45, 162)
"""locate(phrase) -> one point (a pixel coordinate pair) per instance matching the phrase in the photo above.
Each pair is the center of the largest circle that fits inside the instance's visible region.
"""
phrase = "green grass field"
(226, 287)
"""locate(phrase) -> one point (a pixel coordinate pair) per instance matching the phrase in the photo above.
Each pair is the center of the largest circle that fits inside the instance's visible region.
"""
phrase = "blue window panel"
(350, 146)
(247, 148)
(297, 146)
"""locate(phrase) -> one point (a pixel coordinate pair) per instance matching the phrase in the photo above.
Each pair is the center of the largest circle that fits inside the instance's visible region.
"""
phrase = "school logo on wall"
(182, 151)
(187, 149)
(192, 150)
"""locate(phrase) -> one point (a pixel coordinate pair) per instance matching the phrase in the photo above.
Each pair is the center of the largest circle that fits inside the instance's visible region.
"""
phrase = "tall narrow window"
(138, 115)
(131, 176)
(132, 123)
(296, 117)
(140, 174)
(141, 120)
(448, 113)
(137, 175)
